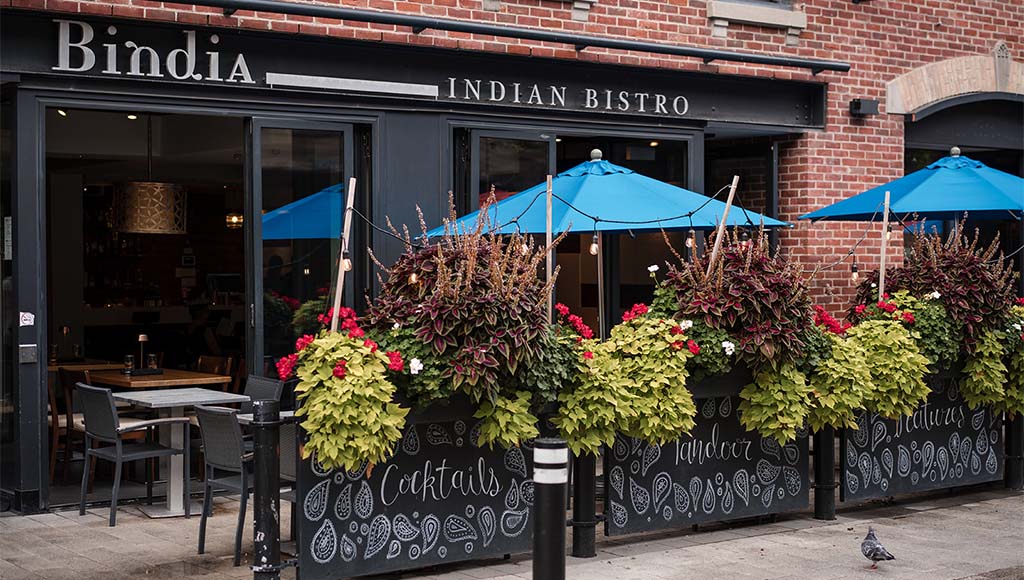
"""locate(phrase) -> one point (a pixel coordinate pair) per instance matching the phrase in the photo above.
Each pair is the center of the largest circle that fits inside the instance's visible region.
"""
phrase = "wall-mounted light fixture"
(864, 107)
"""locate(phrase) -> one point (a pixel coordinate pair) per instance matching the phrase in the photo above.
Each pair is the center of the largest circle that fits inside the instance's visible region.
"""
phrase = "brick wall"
(881, 39)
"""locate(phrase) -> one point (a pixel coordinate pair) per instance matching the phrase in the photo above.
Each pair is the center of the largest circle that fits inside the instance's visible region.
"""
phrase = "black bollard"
(584, 509)
(266, 425)
(825, 474)
(550, 478)
(1015, 453)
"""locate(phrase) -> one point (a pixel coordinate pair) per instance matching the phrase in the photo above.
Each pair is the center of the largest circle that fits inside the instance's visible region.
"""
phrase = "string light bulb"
(691, 239)
(413, 278)
(854, 273)
(346, 262)
(888, 233)
(594, 247)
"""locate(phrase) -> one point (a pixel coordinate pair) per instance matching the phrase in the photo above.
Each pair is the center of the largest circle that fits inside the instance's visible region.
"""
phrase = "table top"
(169, 378)
(187, 397)
(246, 418)
(86, 365)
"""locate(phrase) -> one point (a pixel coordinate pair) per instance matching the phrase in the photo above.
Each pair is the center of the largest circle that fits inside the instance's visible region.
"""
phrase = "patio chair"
(261, 389)
(102, 424)
(216, 365)
(227, 466)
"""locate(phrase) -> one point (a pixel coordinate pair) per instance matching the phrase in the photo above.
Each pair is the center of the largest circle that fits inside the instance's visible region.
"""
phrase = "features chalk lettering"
(439, 482)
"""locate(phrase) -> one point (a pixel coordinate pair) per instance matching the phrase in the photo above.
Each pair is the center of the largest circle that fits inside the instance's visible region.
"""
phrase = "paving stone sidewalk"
(943, 537)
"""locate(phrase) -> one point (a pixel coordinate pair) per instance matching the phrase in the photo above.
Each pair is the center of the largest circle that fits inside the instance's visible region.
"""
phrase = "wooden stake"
(548, 258)
(339, 288)
(885, 248)
(721, 225)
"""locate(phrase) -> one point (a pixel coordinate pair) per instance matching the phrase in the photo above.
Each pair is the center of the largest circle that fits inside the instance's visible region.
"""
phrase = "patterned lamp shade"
(149, 207)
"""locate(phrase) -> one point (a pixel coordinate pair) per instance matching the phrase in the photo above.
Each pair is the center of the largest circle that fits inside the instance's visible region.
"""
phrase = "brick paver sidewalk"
(942, 537)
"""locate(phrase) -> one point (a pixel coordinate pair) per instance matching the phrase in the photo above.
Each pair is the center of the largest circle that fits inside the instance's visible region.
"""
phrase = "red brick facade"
(882, 39)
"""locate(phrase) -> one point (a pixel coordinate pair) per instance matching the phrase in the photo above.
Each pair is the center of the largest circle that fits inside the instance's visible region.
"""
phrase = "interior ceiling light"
(132, 116)
(150, 207)
(62, 112)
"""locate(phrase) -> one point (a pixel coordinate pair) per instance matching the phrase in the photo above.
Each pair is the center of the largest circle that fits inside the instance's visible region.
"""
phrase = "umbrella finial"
(955, 151)
(595, 154)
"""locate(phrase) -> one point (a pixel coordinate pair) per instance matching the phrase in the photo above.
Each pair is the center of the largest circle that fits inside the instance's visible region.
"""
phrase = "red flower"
(1020, 302)
(370, 345)
(885, 296)
(339, 369)
(586, 332)
(693, 346)
(356, 333)
(636, 310)
(286, 366)
(908, 317)
(396, 363)
(588, 355)
(304, 341)
(676, 330)
(628, 316)
(678, 345)
(860, 308)
(349, 324)
(562, 309)
(887, 307)
(831, 324)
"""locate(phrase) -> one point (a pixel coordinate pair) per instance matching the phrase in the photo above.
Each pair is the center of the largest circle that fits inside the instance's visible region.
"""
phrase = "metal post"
(824, 474)
(1015, 453)
(584, 510)
(550, 479)
(266, 427)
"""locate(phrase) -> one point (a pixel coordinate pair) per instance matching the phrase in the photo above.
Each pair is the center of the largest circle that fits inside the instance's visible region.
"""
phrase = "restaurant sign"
(339, 70)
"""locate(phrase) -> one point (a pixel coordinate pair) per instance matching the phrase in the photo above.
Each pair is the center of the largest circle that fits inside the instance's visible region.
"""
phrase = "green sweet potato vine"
(777, 403)
(984, 371)
(839, 383)
(897, 367)
(507, 421)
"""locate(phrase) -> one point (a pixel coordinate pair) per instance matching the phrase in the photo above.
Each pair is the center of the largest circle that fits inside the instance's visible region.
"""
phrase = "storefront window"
(508, 166)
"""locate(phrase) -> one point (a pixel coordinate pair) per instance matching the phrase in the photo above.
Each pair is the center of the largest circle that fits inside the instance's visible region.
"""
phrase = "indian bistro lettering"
(560, 97)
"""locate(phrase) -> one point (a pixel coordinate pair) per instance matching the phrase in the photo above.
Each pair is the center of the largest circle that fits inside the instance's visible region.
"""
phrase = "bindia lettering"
(75, 38)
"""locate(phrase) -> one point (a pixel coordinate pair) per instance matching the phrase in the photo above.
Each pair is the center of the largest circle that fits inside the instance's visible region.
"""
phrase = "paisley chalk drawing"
(515, 461)
(791, 479)
(877, 435)
(728, 500)
(474, 436)
(357, 472)
(431, 529)
(791, 453)
(708, 410)
(768, 496)
(512, 498)
(766, 472)
(651, 456)
(635, 445)
(364, 501)
(640, 497)
(377, 538)
(619, 515)
(852, 483)
(438, 435)
(991, 463)
(318, 469)
(460, 427)
(660, 488)
(851, 456)
(394, 549)
(914, 478)
(975, 463)
(965, 450)
(981, 444)
(526, 490)
(325, 543)
(695, 486)
(411, 441)
(682, 500)
(617, 480)
(458, 528)
(725, 407)
(927, 457)
(978, 420)
(414, 552)
(861, 435)
(315, 505)
(887, 462)
(708, 503)
(770, 447)
(619, 450)
(442, 552)
(347, 548)
(514, 522)
(943, 462)
(954, 446)
(405, 530)
(343, 505)
(876, 473)
(741, 483)
(864, 464)
(903, 466)
(488, 524)
(667, 514)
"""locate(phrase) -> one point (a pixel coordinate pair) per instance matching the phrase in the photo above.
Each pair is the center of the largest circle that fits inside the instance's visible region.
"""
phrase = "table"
(86, 365)
(246, 418)
(169, 378)
(172, 403)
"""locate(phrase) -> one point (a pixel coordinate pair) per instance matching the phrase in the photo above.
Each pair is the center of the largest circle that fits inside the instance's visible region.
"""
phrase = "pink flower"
(1020, 302)
(396, 363)
(908, 317)
(588, 355)
(286, 366)
(678, 345)
(370, 345)
(339, 369)
(304, 341)
(562, 309)
(693, 346)
(676, 330)
(356, 333)
(860, 308)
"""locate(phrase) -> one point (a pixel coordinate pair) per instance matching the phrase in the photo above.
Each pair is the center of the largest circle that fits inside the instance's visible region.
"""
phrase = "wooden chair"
(71, 423)
(215, 365)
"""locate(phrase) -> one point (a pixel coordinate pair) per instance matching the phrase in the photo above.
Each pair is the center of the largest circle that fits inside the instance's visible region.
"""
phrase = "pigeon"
(873, 550)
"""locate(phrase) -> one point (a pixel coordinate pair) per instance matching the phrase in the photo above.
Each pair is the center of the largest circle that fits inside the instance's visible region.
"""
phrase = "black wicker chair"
(227, 464)
(103, 425)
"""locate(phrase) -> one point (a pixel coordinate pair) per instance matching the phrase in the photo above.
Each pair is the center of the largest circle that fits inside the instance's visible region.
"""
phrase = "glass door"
(298, 179)
(505, 162)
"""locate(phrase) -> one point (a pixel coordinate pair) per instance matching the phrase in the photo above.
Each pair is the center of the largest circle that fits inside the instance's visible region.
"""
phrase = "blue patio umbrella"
(621, 200)
(942, 191)
(316, 216)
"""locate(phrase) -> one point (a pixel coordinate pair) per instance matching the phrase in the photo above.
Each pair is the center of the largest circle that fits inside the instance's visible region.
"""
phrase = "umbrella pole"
(339, 287)
(721, 224)
(601, 322)
(550, 250)
(885, 247)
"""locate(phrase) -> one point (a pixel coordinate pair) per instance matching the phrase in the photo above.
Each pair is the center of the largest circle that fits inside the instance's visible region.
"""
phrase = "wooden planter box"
(718, 472)
(943, 444)
(440, 498)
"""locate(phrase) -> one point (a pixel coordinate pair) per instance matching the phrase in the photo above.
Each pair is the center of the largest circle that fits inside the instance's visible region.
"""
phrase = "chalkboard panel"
(943, 444)
(439, 499)
(718, 472)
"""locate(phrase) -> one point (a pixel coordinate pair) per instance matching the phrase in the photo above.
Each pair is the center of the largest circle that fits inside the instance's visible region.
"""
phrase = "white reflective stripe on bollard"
(542, 455)
(550, 475)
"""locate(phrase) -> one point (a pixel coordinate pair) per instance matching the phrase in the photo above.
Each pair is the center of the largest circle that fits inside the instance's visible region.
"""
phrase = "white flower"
(935, 295)
(873, 285)
(1017, 327)
(728, 347)
(396, 326)
(415, 366)
(653, 268)
(686, 324)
